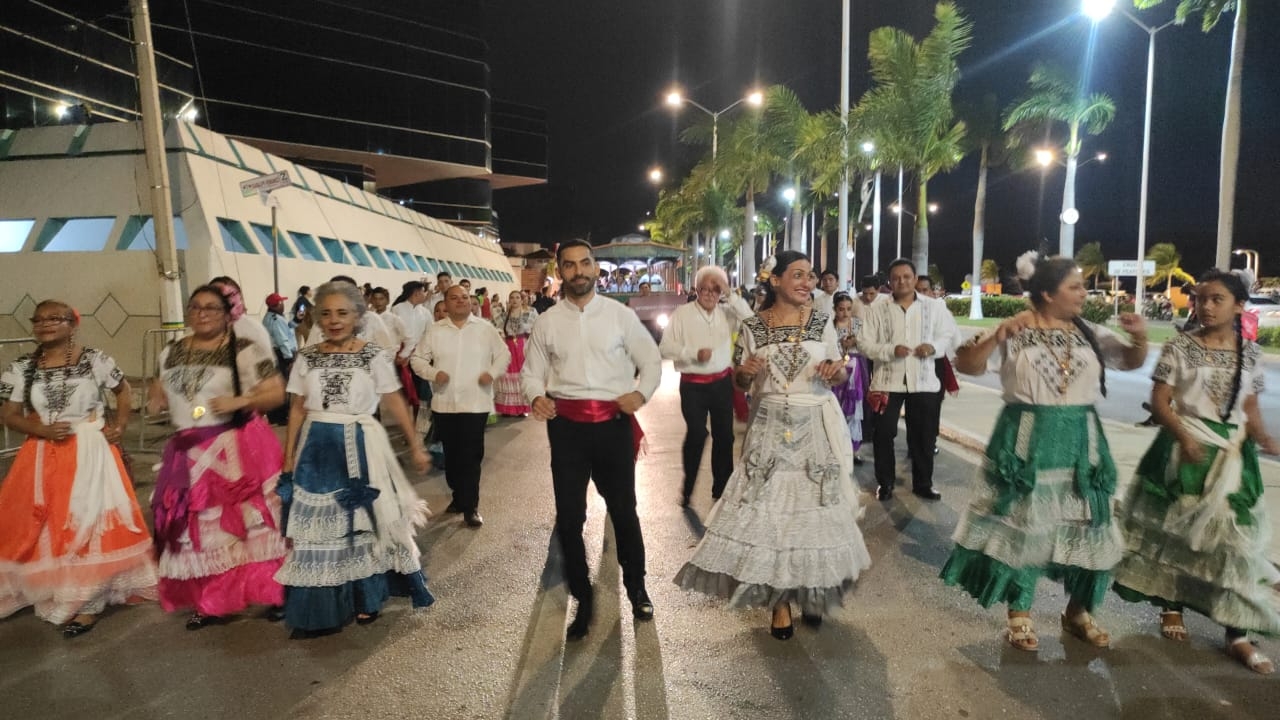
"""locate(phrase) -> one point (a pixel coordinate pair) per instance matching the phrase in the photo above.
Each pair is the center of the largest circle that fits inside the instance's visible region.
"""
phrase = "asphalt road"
(904, 646)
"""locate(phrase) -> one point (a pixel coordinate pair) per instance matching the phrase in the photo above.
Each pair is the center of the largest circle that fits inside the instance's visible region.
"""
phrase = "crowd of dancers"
(320, 531)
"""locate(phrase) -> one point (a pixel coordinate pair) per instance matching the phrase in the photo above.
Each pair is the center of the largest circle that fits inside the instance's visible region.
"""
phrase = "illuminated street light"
(756, 98)
(1097, 10)
(933, 208)
(1250, 261)
(655, 175)
(724, 234)
(61, 110)
(1044, 157)
(676, 99)
(789, 194)
(868, 147)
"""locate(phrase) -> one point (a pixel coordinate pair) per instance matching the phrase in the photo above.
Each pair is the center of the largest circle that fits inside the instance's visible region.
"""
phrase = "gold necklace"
(192, 377)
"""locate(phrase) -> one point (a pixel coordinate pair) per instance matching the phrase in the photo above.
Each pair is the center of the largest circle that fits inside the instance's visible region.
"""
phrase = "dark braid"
(29, 378)
(1087, 331)
(1235, 380)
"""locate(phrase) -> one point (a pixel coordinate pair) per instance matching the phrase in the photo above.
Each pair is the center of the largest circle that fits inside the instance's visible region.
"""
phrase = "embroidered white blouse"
(349, 383)
(1202, 379)
(60, 394)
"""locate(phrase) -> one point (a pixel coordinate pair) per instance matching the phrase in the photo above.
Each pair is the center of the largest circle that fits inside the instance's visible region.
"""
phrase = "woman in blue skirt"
(350, 512)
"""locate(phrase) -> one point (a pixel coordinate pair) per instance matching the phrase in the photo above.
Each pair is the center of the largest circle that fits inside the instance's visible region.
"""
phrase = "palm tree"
(1091, 262)
(1168, 266)
(698, 207)
(985, 135)
(909, 110)
(1210, 12)
(1057, 97)
(990, 271)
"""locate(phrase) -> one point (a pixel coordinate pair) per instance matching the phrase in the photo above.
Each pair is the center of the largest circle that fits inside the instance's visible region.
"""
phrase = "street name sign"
(265, 183)
(1129, 268)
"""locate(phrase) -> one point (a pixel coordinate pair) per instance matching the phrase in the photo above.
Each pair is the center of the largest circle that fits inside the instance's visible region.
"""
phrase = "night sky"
(600, 68)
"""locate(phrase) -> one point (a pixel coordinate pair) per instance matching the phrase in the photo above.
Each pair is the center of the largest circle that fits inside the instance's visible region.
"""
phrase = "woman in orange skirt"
(72, 539)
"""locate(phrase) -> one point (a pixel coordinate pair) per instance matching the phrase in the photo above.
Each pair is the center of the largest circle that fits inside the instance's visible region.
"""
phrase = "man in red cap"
(285, 345)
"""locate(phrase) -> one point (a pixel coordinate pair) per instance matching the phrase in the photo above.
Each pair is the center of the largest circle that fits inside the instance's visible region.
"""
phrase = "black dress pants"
(922, 435)
(697, 401)
(462, 435)
(602, 452)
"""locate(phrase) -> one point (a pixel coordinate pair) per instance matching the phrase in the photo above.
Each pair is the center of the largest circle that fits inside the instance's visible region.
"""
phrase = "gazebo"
(655, 263)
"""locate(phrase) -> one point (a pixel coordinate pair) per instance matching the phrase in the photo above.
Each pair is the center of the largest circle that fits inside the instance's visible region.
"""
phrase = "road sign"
(265, 183)
(1129, 268)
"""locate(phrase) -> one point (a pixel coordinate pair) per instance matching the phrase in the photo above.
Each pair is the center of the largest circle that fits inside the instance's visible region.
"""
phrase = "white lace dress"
(786, 527)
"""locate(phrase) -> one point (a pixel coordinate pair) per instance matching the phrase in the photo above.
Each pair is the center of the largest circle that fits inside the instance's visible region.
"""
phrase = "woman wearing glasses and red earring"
(72, 538)
(217, 516)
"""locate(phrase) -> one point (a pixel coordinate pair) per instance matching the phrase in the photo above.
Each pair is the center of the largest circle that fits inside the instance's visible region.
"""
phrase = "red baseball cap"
(275, 298)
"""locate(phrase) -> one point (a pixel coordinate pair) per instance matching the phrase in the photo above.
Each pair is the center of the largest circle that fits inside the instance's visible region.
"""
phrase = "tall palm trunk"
(1230, 143)
(979, 235)
(920, 244)
(1066, 230)
(749, 240)
(795, 233)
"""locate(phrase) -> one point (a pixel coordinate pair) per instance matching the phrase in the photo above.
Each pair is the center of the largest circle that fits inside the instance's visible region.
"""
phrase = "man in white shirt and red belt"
(903, 337)
(698, 343)
(589, 366)
(460, 356)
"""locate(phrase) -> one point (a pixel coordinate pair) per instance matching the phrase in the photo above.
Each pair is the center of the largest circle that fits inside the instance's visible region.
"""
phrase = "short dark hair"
(412, 287)
(343, 278)
(576, 242)
(645, 283)
(925, 278)
(903, 261)
(869, 281)
(380, 291)
(304, 290)
(443, 273)
(827, 272)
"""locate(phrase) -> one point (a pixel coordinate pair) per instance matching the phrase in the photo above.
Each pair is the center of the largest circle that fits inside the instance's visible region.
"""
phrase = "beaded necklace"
(191, 377)
(56, 400)
(792, 356)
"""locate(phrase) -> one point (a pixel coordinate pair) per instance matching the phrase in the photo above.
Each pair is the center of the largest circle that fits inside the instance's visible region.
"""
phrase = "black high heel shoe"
(198, 621)
(76, 629)
(785, 632)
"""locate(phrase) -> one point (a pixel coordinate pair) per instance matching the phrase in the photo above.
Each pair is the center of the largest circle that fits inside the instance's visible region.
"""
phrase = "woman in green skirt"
(1196, 533)
(1042, 502)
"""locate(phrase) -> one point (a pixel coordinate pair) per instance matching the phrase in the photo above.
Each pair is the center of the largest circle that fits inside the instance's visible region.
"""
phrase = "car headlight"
(662, 320)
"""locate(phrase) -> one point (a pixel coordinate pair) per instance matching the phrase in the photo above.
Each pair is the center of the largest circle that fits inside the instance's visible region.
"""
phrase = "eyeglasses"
(49, 320)
(206, 309)
(708, 290)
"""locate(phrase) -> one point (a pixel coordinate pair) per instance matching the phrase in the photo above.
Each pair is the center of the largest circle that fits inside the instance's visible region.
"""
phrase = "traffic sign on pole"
(1128, 268)
(265, 183)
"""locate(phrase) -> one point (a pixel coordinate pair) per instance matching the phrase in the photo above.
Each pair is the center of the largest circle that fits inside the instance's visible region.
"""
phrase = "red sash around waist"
(598, 411)
(706, 379)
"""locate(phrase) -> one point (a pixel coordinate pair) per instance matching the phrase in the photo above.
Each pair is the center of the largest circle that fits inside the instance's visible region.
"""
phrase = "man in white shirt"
(461, 355)
(903, 337)
(697, 341)
(589, 366)
(444, 281)
(823, 299)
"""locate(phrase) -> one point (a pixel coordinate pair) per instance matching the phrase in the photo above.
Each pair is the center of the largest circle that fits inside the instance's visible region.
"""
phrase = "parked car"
(1266, 308)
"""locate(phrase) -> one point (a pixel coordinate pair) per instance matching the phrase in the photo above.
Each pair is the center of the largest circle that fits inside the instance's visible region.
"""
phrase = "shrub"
(1097, 311)
(1269, 336)
(993, 306)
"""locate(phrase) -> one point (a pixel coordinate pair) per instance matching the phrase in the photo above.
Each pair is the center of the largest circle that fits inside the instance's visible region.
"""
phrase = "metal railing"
(153, 341)
(11, 444)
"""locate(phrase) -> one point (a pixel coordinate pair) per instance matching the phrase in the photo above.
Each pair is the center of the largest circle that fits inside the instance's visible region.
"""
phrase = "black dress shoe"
(684, 500)
(811, 620)
(366, 618)
(198, 621)
(641, 605)
(884, 493)
(275, 613)
(927, 494)
(472, 518)
(453, 508)
(858, 460)
(76, 629)
(581, 624)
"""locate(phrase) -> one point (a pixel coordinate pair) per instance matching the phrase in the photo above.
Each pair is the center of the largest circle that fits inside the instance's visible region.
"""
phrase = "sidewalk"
(968, 419)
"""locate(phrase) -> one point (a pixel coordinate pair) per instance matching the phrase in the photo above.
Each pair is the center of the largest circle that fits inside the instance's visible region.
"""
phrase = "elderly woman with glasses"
(72, 539)
(217, 516)
(698, 342)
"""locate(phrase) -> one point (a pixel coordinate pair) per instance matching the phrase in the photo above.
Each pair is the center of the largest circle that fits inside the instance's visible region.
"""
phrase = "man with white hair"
(697, 341)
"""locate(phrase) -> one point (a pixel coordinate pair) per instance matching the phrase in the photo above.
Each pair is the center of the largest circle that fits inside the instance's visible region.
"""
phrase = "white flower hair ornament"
(1026, 264)
(767, 269)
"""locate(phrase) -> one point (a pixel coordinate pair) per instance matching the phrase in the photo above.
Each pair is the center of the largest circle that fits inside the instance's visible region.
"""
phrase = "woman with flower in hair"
(1042, 501)
(515, 322)
(72, 538)
(217, 517)
(350, 512)
(1195, 528)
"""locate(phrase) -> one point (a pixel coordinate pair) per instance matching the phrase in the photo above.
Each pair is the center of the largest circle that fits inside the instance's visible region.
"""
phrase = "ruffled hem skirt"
(508, 394)
(786, 527)
(1228, 578)
(39, 568)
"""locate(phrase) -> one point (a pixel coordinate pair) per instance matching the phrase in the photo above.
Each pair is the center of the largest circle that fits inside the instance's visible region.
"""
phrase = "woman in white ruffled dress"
(786, 529)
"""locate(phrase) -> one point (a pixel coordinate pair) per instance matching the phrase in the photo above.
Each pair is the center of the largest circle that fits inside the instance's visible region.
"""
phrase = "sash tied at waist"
(707, 378)
(598, 411)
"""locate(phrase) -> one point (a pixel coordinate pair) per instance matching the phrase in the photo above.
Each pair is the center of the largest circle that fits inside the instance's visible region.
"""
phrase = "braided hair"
(784, 260)
(33, 360)
(224, 292)
(1049, 275)
(1234, 285)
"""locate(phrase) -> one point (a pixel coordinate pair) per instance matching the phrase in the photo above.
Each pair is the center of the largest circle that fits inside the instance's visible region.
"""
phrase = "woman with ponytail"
(1042, 502)
(217, 516)
(72, 538)
(1196, 533)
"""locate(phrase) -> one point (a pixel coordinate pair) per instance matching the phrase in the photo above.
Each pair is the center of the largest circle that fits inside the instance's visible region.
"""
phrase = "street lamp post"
(1250, 261)
(1098, 10)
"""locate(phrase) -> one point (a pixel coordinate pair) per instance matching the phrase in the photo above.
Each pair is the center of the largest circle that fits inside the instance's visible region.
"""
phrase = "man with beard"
(589, 366)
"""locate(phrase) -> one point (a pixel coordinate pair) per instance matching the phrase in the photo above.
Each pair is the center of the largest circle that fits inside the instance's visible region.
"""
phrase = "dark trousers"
(601, 452)
(697, 401)
(922, 435)
(280, 415)
(462, 435)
